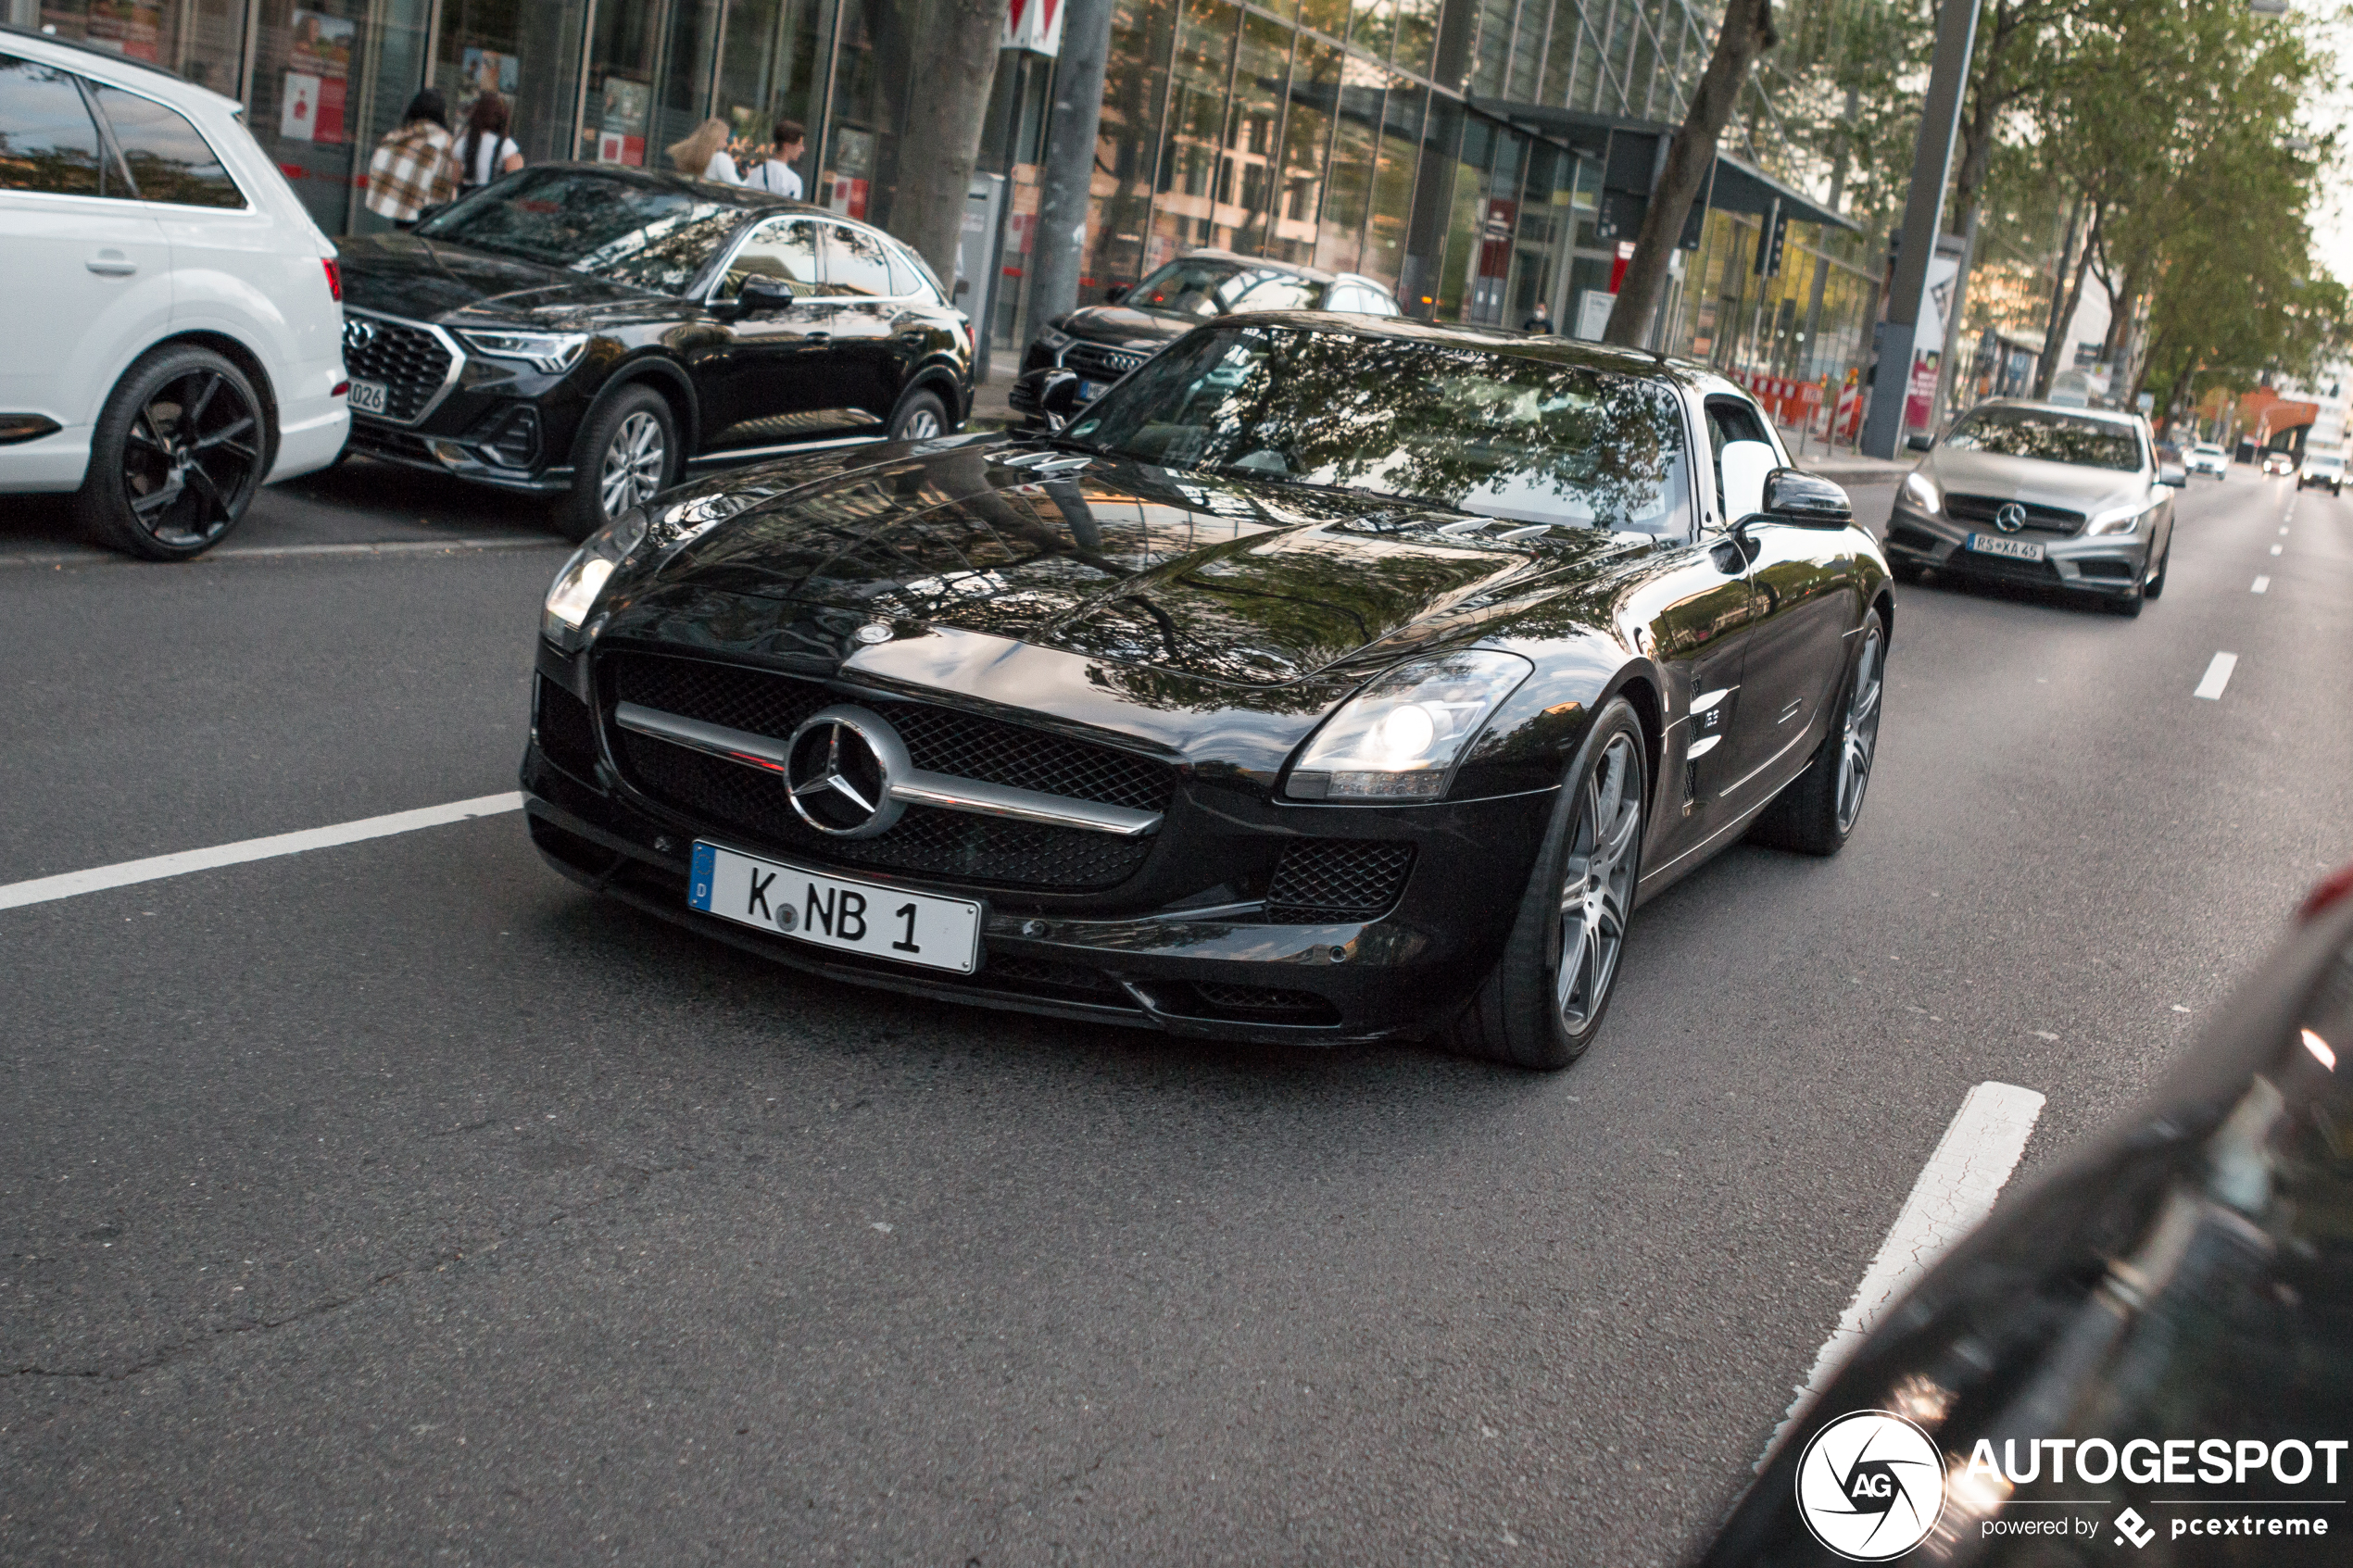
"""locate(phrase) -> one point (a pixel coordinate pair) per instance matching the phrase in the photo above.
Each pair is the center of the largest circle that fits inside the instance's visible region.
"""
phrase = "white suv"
(175, 336)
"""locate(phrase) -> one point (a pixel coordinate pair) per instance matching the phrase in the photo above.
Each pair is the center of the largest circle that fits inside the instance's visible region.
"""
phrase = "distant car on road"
(2207, 458)
(1332, 679)
(2277, 463)
(586, 331)
(2179, 1288)
(2323, 468)
(1101, 343)
(2033, 493)
(173, 339)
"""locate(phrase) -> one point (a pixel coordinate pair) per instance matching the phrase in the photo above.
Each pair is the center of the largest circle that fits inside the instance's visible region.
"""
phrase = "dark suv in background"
(586, 331)
(1099, 344)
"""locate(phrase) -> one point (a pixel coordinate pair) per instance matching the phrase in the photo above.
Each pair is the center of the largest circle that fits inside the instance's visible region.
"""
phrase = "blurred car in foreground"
(2049, 496)
(2276, 464)
(2207, 458)
(1100, 343)
(2151, 1348)
(2323, 468)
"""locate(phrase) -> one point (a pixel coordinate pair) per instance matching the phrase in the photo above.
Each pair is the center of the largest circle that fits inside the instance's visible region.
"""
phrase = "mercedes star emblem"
(2011, 518)
(839, 767)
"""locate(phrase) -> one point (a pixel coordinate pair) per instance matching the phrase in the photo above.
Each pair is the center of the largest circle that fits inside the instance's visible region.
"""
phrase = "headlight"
(1400, 738)
(2121, 521)
(1055, 339)
(573, 592)
(546, 351)
(1920, 491)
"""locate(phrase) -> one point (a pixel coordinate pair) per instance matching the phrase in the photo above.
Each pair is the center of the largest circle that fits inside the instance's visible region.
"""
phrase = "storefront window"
(1416, 34)
(1249, 171)
(617, 125)
(1394, 173)
(767, 64)
(1193, 150)
(1355, 141)
(1127, 138)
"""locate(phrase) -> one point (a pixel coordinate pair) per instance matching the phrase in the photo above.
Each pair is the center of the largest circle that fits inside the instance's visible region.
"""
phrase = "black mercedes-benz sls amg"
(1321, 681)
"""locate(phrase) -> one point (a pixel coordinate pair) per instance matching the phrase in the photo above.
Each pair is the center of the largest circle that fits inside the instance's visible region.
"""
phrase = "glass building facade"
(1457, 151)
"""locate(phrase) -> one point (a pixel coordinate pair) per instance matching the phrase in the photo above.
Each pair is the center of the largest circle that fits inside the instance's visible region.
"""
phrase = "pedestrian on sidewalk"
(413, 169)
(703, 156)
(777, 174)
(486, 152)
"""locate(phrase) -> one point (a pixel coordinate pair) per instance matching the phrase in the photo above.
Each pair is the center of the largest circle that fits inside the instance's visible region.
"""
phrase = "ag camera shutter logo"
(1871, 1485)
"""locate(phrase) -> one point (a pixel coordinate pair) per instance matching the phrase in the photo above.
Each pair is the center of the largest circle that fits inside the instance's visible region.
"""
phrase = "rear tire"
(1542, 1004)
(176, 457)
(1817, 812)
(923, 416)
(627, 455)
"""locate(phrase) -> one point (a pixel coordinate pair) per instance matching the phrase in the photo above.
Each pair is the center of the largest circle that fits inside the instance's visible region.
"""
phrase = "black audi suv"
(588, 333)
(1099, 344)
(1330, 679)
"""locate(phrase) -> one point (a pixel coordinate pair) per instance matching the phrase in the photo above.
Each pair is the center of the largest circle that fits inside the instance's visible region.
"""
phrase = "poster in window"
(622, 121)
(487, 71)
(319, 44)
(298, 108)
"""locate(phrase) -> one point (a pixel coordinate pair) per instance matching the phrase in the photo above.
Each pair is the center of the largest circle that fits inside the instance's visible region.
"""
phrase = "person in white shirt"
(777, 173)
(704, 154)
(486, 151)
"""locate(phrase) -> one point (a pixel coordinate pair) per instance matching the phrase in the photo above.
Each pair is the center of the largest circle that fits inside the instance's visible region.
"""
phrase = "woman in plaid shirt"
(415, 167)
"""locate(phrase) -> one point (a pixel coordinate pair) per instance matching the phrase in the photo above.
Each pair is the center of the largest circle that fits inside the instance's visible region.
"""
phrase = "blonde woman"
(703, 156)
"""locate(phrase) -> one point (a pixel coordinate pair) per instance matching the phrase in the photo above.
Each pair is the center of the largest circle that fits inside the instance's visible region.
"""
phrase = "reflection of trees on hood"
(1408, 418)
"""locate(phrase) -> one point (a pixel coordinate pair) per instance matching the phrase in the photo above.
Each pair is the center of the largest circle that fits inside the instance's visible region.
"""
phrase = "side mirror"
(2173, 475)
(1918, 442)
(1742, 466)
(1114, 294)
(761, 291)
(434, 211)
(1805, 499)
(1049, 395)
(963, 286)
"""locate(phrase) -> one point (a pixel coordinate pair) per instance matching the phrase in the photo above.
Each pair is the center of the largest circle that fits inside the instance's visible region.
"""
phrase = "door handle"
(111, 264)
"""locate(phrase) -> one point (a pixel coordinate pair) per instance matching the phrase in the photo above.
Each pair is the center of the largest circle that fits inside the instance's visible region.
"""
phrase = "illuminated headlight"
(1920, 491)
(1401, 738)
(2121, 521)
(546, 351)
(573, 592)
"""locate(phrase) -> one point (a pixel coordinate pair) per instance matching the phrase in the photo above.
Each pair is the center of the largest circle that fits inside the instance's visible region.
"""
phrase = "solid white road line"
(2218, 675)
(71, 884)
(2263, 584)
(1955, 1189)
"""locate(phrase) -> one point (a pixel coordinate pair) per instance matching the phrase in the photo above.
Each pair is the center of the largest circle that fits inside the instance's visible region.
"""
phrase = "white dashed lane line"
(2263, 584)
(71, 884)
(2275, 550)
(1955, 1189)
(2218, 675)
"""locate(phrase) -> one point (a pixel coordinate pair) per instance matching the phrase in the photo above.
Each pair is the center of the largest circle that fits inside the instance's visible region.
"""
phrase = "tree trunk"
(944, 121)
(2063, 301)
(1747, 33)
(1065, 185)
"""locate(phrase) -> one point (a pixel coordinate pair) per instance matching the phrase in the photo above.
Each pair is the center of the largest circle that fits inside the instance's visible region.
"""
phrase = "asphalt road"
(400, 1201)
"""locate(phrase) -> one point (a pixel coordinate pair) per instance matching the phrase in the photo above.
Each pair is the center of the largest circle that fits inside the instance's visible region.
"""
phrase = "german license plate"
(2016, 549)
(366, 397)
(854, 917)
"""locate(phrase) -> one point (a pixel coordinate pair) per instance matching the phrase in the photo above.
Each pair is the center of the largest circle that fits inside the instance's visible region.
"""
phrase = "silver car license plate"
(856, 917)
(368, 397)
(2016, 549)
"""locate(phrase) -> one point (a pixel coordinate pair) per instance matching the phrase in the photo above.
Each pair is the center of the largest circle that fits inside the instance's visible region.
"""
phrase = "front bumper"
(1121, 954)
(2107, 563)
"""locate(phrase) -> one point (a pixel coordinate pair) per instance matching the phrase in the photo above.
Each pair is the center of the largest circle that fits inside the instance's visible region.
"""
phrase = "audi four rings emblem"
(357, 332)
(841, 767)
(2011, 518)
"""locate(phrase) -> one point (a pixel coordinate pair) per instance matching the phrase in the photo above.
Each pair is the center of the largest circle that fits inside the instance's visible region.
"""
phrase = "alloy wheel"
(1597, 889)
(189, 459)
(632, 465)
(922, 425)
(1861, 738)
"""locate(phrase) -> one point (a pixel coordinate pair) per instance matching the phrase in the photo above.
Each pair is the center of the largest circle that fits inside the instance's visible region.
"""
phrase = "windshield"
(2053, 438)
(2205, 450)
(648, 236)
(1500, 435)
(1219, 288)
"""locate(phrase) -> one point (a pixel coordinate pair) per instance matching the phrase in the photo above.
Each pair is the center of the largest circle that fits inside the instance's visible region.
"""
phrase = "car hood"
(1229, 582)
(1128, 327)
(433, 280)
(2065, 485)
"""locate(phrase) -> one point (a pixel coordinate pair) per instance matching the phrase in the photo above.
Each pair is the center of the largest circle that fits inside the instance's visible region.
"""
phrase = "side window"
(170, 161)
(786, 250)
(1345, 297)
(856, 263)
(47, 142)
(908, 281)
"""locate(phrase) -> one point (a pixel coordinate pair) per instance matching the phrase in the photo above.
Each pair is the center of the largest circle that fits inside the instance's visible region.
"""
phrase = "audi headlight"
(1401, 738)
(1055, 339)
(2123, 519)
(573, 592)
(546, 351)
(1920, 491)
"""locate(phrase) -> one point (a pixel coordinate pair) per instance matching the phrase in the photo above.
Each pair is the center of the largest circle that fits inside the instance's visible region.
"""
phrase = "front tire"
(176, 457)
(1542, 1004)
(923, 416)
(2154, 589)
(628, 455)
(1817, 812)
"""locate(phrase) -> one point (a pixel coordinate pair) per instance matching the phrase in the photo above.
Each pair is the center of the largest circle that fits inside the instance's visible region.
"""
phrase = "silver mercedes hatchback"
(2044, 495)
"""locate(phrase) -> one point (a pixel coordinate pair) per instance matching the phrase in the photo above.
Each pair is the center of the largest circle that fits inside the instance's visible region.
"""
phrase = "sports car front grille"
(1102, 362)
(1337, 879)
(411, 362)
(1982, 509)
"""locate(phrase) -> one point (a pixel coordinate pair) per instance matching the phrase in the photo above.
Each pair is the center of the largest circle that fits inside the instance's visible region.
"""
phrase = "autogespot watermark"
(1873, 1486)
